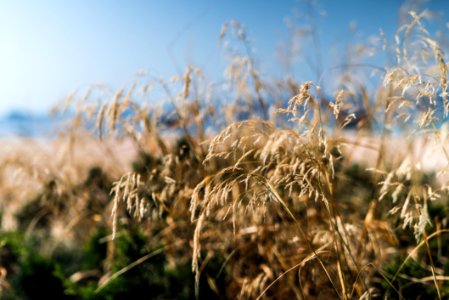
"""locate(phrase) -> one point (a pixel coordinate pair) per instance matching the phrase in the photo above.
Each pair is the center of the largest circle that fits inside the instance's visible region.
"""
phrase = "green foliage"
(406, 285)
(31, 275)
(35, 276)
(153, 277)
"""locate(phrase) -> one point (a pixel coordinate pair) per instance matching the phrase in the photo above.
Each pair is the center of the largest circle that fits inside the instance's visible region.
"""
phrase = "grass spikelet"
(114, 109)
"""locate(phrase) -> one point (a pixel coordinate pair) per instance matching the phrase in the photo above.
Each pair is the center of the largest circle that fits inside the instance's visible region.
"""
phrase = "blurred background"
(51, 48)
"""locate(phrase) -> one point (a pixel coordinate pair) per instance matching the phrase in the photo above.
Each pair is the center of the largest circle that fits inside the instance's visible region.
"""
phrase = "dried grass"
(275, 197)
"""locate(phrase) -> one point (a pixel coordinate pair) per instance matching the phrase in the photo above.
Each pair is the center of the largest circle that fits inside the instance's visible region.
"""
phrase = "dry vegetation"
(233, 192)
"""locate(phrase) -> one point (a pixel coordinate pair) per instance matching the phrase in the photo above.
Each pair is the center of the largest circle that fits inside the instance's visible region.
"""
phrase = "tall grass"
(267, 188)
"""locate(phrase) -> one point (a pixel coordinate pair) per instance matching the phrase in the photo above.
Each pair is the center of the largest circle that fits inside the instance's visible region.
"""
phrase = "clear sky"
(51, 47)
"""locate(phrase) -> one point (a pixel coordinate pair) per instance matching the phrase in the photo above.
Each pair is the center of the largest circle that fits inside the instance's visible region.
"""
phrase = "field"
(257, 188)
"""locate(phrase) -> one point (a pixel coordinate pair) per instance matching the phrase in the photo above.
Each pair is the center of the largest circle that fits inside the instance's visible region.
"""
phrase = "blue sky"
(49, 48)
